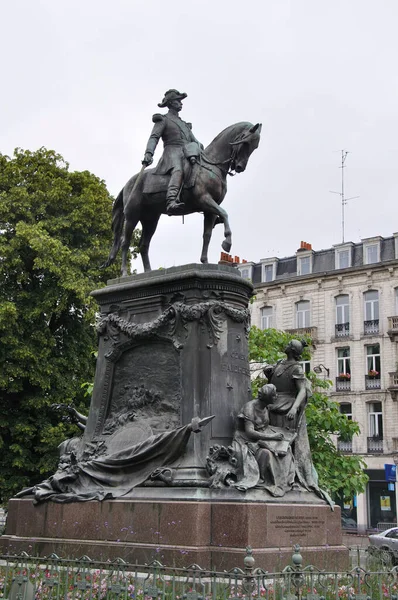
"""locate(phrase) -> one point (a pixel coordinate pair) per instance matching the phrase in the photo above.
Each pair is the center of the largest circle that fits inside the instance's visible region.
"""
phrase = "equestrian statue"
(187, 179)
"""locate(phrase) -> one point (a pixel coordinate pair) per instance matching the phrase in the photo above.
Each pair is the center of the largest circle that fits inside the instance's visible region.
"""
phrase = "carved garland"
(174, 322)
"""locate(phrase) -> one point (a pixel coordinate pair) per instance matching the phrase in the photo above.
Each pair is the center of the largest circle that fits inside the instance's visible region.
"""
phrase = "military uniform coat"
(175, 134)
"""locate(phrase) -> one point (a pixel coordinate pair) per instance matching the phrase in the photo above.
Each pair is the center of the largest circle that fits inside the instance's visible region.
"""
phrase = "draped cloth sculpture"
(112, 475)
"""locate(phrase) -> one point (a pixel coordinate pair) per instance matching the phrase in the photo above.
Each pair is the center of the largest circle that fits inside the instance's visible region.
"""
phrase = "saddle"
(155, 184)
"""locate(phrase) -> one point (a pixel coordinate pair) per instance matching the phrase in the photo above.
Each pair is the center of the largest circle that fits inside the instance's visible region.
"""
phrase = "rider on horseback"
(179, 144)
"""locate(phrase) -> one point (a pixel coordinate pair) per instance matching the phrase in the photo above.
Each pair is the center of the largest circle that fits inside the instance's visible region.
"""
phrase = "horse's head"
(247, 141)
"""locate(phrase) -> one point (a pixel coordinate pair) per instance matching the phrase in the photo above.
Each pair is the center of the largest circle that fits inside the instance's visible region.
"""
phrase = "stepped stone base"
(211, 533)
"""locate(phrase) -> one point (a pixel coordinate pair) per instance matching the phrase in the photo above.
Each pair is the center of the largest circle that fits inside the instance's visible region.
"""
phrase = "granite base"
(213, 534)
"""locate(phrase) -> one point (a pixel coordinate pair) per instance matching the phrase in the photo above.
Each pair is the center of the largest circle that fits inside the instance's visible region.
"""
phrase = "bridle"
(230, 162)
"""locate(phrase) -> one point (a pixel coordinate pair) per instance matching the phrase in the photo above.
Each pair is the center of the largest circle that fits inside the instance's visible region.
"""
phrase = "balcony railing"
(344, 446)
(393, 386)
(342, 329)
(372, 383)
(343, 384)
(371, 327)
(375, 444)
(394, 380)
(393, 328)
(301, 331)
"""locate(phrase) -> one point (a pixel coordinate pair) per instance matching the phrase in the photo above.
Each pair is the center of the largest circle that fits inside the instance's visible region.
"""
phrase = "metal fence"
(385, 526)
(29, 578)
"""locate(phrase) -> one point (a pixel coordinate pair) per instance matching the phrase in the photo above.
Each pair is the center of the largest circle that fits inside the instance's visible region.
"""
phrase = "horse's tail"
(117, 228)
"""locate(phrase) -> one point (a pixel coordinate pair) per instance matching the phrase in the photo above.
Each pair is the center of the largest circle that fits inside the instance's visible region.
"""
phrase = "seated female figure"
(263, 453)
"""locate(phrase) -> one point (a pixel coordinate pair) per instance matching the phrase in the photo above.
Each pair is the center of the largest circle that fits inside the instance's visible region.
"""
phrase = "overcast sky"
(84, 77)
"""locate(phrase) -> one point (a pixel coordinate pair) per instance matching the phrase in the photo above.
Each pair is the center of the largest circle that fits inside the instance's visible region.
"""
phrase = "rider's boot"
(173, 204)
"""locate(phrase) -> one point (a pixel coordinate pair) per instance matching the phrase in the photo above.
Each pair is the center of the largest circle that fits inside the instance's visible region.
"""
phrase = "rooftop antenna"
(344, 200)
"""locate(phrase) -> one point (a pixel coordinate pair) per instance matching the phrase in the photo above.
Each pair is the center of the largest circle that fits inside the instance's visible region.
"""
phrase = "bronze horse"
(229, 151)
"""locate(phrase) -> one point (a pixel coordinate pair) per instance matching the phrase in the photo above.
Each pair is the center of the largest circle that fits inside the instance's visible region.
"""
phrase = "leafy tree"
(54, 233)
(338, 473)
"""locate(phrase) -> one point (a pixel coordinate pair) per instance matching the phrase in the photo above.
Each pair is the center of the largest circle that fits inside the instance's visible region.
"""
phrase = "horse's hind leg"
(129, 225)
(148, 229)
(208, 224)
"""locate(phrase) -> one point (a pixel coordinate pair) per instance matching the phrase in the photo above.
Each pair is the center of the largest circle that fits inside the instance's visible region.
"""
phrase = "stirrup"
(175, 207)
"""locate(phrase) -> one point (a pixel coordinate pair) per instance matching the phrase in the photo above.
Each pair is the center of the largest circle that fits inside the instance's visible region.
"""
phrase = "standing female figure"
(288, 412)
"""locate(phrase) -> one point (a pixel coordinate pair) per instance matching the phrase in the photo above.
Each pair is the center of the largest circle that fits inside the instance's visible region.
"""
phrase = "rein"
(228, 162)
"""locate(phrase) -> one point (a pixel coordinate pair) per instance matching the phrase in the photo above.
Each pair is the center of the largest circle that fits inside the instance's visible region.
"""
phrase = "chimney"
(304, 246)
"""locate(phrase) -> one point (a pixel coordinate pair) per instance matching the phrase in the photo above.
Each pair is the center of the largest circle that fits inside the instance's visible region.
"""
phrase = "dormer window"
(372, 254)
(304, 259)
(246, 270)
(371, 250)
(343, 255)
(344, 259)
(396, 245)
(268, 269)
(304, 265)
(268, 272)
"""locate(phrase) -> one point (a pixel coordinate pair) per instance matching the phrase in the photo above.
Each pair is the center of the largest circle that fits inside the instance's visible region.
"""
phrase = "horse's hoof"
(204, 261)
(226, 246)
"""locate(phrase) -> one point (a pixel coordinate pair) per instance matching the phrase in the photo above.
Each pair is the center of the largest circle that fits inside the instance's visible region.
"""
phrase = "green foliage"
(342, 475)
(55, 232)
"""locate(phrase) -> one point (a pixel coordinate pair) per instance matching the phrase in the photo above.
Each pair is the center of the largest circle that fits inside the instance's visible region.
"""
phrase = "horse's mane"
(230, 132)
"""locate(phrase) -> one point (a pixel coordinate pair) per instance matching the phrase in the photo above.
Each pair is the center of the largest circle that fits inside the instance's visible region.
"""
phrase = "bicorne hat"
(171, 95)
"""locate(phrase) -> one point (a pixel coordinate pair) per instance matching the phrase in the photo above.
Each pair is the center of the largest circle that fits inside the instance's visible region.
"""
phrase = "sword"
(138, 180)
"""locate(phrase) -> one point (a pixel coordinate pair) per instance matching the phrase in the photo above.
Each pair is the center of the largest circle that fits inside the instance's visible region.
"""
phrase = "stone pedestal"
(173, 346)
(211, 532)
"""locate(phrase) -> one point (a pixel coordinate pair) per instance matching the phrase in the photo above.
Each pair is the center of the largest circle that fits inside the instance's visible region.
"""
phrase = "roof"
(323, 261)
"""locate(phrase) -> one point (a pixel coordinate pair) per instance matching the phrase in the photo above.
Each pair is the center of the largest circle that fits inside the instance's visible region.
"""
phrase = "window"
(306, 364)
(344, 444)
(346, 409)
(396, 301)
(343, 255)
(373, 360)
(371, 305)
(342, 309)
(372, 254)
(268, 269)
(266, 317)
(303, 314)
(371, 310)
(245, 272)
(304, 265)
(343, 363)
(268, 273)
(375, 420)
(393, 534)
(343, 260)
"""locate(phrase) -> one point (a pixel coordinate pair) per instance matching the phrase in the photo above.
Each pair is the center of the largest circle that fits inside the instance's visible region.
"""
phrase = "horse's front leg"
(208, 224)
(208, 205)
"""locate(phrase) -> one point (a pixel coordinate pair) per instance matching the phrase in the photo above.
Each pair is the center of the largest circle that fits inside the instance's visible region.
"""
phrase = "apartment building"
(346, 298)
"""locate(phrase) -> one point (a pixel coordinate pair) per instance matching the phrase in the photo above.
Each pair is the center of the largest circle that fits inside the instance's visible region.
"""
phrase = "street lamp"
(318, 369)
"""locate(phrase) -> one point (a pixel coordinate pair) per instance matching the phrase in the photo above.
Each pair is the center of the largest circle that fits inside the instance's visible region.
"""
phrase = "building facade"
(346, 298)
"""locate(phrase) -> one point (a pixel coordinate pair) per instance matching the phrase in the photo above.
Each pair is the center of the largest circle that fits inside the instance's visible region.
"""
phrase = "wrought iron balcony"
(344, 446)
(372, 382)
(371, 327)
(302, 331)
(343, 384)
(375, 444)
(393, 328)
(393, 386)
(394, 380)
(342, 329)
